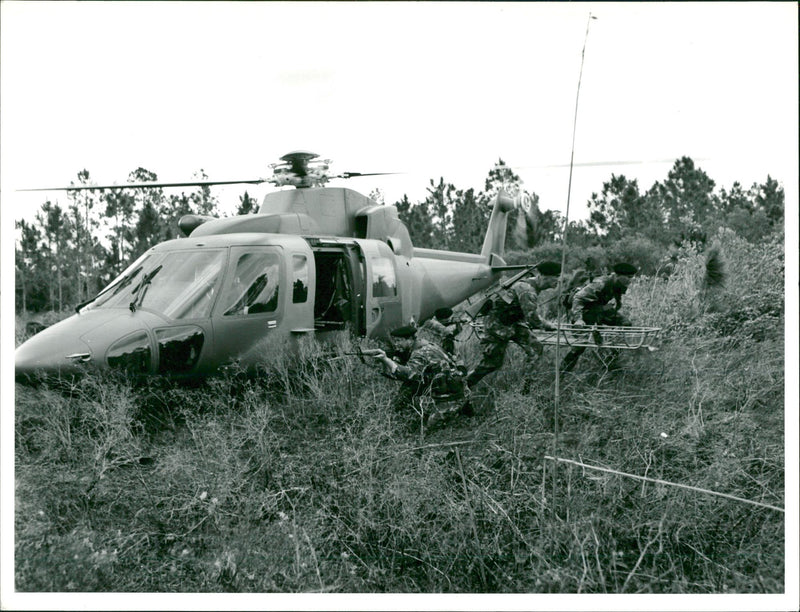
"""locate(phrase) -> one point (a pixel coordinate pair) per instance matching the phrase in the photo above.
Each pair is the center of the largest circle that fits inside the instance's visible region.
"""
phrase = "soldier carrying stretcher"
(513, 312)
(591, 306)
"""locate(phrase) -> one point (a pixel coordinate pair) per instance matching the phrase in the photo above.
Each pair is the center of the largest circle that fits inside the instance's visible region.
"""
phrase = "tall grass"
(310, 481)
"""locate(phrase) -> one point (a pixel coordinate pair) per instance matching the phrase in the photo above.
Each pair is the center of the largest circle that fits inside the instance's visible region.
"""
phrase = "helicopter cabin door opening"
(339, 297)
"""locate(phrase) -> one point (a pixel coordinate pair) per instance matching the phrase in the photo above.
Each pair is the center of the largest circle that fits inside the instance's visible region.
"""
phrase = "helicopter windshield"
(178, 285)
(116, 286)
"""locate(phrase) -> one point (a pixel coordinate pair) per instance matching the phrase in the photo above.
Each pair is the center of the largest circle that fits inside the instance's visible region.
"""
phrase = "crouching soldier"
(442, 329)
(513, 313)
(433, 382)
(592, 305)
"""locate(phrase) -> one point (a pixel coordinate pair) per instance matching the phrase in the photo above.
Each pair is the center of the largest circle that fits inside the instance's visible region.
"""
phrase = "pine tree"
(377, 195)
(120, 205)
(247, 205)
(737, 210)
(59, 234)
(686, 199)
(417, 219)
(147, 230)
(85, 222)
(28, 268)
(440, 202)
(621, 210)
(203, 203)
(469, 222)
(770, 198)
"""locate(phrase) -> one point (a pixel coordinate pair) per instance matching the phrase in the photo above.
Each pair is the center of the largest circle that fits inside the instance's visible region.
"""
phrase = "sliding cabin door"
(384, 311)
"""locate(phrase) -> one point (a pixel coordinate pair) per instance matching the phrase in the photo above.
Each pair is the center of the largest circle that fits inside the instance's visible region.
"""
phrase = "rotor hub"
(300, 169)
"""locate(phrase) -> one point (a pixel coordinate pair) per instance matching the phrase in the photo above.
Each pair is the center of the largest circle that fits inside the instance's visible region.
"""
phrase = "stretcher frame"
(601, 336)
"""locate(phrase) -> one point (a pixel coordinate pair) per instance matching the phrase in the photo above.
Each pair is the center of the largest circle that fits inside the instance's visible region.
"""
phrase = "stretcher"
(600, 336)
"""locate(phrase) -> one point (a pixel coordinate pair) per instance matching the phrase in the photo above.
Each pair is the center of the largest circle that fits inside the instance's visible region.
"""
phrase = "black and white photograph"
(399, 305)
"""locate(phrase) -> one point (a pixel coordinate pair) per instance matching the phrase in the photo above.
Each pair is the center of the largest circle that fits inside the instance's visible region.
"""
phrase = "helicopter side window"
(255, 285)
(179, 348)
(131, 353)
(300, 285)
(384, 283)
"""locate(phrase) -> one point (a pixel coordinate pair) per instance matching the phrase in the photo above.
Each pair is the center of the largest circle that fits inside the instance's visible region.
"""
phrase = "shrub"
(642, 252)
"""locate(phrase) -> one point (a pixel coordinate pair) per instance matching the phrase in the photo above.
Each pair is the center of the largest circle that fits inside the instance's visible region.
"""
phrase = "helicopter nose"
(50, 356)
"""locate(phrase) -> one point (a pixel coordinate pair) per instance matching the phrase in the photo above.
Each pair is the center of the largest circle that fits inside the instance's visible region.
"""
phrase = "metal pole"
(556, 401)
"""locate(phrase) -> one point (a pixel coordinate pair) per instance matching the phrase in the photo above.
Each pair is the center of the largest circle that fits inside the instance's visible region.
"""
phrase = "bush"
(594, 259)
(642, 252)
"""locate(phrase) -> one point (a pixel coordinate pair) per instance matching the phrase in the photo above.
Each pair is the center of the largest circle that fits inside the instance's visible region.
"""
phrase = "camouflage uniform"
(579, 279)
(592, 305)
(433, 382)
(513, 314)
(443, 334)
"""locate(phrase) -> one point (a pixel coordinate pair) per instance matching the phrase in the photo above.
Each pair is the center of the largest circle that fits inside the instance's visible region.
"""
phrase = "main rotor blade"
(602, 163)
(610, 163)
(357, 174)
(145, 185)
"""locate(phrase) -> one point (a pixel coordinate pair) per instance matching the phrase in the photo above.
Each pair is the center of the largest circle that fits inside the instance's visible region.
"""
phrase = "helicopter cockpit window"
(119, 292)
(182, 286)
(300, 285)
(255, 285)
(384, 283)
(179, 285)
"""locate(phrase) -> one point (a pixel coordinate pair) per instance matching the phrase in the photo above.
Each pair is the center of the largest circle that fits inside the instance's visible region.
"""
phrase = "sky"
(424, 89)
(428, 90)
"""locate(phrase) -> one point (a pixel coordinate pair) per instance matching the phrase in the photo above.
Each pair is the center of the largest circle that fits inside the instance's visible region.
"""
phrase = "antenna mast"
(556, 402)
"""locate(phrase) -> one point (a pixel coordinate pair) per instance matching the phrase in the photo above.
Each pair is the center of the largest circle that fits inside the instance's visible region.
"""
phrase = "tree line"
(625, 223)
(68, 253)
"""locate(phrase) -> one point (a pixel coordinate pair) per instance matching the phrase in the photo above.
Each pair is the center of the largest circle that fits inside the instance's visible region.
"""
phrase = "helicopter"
(314, 262)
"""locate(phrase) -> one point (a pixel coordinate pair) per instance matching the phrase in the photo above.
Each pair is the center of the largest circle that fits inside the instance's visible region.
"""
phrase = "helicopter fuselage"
(236, 292)
(195, 305)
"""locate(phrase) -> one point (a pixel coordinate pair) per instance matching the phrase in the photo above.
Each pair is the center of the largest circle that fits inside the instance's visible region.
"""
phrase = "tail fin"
(495, 240)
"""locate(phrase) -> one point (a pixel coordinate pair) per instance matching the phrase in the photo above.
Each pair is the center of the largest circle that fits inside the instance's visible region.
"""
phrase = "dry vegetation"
(310, 482)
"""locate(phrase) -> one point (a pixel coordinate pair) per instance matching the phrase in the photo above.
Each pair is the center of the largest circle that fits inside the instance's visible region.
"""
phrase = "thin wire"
(665, 482)
(556, 402)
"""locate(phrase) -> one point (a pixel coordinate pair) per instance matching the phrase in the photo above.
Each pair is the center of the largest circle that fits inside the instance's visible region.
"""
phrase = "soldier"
(577, 280)
(591, 306)
(512, 315)
(433, 382)
(442, 329)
